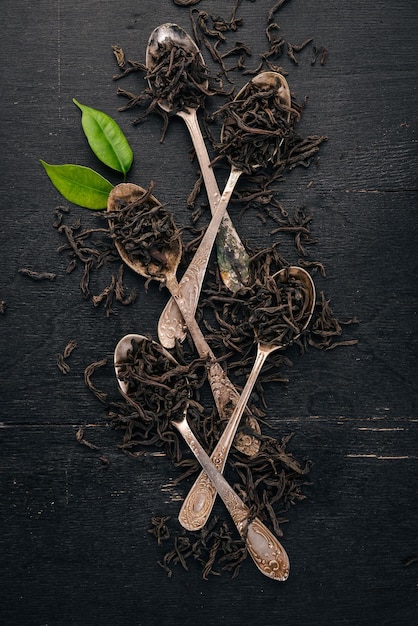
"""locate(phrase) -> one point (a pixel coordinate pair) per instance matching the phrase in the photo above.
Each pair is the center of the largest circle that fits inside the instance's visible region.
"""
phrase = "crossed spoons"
(264, 548)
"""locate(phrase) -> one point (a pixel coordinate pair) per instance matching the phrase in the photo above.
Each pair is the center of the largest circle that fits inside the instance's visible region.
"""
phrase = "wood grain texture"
(74, 546)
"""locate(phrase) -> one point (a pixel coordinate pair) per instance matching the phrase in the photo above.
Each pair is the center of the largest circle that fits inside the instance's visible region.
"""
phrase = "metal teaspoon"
(232, 256)
(198, 503)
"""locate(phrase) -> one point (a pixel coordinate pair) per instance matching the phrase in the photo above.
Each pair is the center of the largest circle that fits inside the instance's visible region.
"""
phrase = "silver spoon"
(232, 256)
(198, 503)
(264, 548)
(223, 390)
(192, 280)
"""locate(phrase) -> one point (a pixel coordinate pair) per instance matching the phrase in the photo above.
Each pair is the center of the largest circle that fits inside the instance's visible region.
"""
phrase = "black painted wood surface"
(74, 546)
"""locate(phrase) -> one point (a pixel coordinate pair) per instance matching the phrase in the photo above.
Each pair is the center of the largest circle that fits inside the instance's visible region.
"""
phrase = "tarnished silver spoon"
(264, 548)
(232, 256)
(198, 503)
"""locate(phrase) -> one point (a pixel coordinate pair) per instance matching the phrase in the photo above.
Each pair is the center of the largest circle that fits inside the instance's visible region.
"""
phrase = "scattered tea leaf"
(79, 184)
(37, 275)
(106, 139)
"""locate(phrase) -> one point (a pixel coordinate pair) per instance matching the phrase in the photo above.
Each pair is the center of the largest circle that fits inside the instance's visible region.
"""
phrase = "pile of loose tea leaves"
(161, 387)
(229, 320)
(258, 128)
(177, 77)
(278, 309)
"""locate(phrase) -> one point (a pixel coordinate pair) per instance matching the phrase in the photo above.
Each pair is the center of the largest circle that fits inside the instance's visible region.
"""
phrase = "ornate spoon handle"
(264, 548)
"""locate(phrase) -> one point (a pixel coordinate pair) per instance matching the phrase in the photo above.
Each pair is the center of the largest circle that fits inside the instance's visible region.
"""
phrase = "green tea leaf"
(80, 185)
(106, 139)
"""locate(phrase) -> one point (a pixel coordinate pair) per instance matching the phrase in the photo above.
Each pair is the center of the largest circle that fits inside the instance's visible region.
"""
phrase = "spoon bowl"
(275, 81)
(163, 40)
(121, 355)
(280, 92)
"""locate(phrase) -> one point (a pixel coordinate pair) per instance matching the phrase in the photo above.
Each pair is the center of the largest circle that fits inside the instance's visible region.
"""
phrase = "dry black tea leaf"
(81, 439)
(37, 275)
(88, 373)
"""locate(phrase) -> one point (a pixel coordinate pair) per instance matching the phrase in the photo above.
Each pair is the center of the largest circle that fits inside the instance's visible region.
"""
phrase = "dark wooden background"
(74, 546)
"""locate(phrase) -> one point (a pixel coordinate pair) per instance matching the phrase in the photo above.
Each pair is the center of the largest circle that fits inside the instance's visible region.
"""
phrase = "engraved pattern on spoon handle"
(199, 502)
(192, 280)
(264, 548)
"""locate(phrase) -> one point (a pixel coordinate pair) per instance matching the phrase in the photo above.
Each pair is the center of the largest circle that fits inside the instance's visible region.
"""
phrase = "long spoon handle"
(199, 502)
(171, 324)
(233, 259)
(264, 548)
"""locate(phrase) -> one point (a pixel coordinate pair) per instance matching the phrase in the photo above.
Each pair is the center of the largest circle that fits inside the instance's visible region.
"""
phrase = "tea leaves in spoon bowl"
(106, 139)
